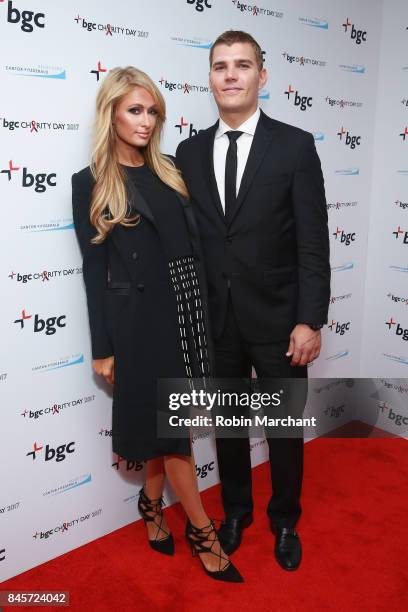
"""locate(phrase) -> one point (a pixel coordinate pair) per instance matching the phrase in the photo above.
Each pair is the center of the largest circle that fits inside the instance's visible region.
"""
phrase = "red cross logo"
(404, 134)
(398, 232)
(341, 133)
(346, 25)
(181, 124)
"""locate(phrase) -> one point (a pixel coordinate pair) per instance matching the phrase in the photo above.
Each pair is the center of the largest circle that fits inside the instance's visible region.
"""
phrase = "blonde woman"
(146, 297)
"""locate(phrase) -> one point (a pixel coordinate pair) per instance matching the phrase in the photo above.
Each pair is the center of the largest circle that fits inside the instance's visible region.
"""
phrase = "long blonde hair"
(109, 203)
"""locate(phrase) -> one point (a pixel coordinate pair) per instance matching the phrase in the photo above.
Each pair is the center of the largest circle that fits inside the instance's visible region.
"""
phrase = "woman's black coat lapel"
(138, 203)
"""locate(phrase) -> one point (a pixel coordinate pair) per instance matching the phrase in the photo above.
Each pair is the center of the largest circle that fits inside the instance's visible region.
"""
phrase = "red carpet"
(354, 531)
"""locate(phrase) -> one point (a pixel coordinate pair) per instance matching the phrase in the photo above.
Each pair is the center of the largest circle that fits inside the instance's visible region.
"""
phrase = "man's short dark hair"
(231, 37)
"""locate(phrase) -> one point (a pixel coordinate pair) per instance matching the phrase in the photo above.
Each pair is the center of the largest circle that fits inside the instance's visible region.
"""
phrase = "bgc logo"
(399, 232)
(399, 419)
(349, 140)
(184, 87)
(45, 275)
(106, 433)
(40, 181)
(98, 71)
(344, 238)
(202, 471)
(26, 18)
(301, 102)
(130, 465)
(358, 36)
(58, 453)
(56, 409)
(183, 124)
(399, 330)
(200, 4)
(404, 133)
(50, 325)
(339, 328)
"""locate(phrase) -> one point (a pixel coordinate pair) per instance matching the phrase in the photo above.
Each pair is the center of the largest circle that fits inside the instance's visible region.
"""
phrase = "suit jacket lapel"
(121, 235)
(138, 203)
(207, 158)
(260, 144)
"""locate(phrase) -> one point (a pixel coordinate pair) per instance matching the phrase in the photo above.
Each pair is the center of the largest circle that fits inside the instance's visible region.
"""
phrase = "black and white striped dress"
(190, 317)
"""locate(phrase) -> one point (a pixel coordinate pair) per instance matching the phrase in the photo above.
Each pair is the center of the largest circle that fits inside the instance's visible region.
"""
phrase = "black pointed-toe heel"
(149, 509)
(199, 540)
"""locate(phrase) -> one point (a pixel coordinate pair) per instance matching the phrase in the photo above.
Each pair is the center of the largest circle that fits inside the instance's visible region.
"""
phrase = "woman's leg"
(154, 478)
(153, 488)
(180, 471)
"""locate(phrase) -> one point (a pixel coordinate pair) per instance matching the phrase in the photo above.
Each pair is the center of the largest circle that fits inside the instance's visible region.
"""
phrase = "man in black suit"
(259, 197)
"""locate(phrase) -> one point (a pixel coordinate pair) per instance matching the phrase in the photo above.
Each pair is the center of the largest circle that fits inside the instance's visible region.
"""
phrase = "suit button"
(140, 288)
(229, 240)
(135, 255)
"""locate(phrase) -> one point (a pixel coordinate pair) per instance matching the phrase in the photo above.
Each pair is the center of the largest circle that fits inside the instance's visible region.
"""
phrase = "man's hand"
(304, 345)
(105, 368)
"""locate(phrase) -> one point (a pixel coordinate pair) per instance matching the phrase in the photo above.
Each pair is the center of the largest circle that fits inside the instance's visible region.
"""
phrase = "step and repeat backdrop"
(385, 331)
(61, 486)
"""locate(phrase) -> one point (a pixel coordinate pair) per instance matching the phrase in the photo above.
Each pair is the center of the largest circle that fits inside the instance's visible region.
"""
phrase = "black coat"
(133, 316)
(274, 251)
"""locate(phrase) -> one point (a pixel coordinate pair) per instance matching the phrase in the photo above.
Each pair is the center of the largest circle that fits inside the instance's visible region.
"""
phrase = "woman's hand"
(105, 367)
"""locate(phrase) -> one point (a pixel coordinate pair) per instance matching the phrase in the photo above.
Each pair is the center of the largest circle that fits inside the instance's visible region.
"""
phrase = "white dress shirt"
(221, 144)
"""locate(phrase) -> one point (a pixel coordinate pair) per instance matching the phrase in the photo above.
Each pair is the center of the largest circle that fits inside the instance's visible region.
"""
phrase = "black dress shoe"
(288, 549)
(230, 532)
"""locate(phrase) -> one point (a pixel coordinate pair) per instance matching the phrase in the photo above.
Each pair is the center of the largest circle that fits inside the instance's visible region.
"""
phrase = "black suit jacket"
(273, 252)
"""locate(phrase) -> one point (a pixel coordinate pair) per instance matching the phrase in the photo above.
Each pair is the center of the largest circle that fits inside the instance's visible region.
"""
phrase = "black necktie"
(231, 164)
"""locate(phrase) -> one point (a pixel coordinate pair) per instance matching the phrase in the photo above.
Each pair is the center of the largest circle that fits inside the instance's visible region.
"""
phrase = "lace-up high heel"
(200, 542)
(149, 509)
